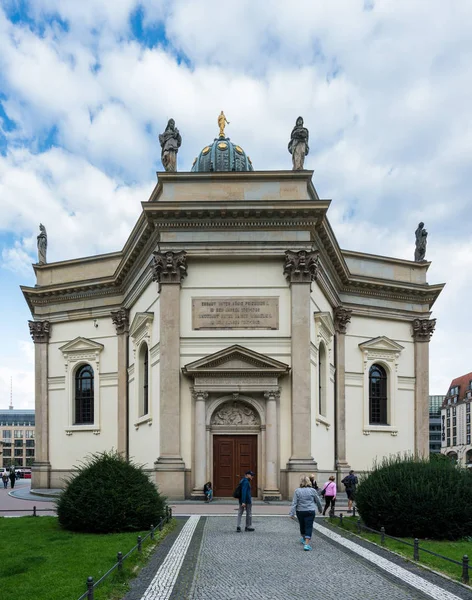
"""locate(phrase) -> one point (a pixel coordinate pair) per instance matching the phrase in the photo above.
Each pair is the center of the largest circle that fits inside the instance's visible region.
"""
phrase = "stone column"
(41, 469)
(200, 443)
(120, 319)
(168, 269)
(271, 487)
(422, 331)
(301, 268)
(342, 316)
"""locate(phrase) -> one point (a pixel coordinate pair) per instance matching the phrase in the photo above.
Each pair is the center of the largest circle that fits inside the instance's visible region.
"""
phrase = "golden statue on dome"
(222, 120)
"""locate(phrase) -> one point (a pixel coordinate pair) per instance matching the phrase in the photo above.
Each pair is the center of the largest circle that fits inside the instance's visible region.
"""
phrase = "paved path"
(15, 507)
(210, 560)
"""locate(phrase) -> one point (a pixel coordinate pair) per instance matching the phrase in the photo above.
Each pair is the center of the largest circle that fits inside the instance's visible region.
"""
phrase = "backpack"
(237, 492)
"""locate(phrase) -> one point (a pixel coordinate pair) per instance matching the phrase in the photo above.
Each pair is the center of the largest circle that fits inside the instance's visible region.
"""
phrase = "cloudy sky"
(384, 87)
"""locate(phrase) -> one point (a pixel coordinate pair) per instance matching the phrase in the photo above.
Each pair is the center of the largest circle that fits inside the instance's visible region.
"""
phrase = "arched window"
(84, 395)
(378, 395)
(322, 380)
(144, 378)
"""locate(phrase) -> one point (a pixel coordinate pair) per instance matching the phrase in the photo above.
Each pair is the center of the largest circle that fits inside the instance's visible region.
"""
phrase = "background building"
(435, 405)
(455, 421)
(17, 437)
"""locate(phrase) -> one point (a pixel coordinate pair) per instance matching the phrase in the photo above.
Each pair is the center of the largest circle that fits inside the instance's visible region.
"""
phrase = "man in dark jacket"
(350, 483)
(245, 501)
(12, 477)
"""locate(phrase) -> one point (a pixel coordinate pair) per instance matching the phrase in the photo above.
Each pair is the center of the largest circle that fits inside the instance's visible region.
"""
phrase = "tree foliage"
(413, 497)
(109, 494)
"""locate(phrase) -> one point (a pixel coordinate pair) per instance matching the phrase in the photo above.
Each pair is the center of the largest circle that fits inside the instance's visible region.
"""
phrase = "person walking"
(245, 501)
(329, 493)
(12, 478)
(314, 485)
(5, 479)
(350, 483)
(304, 503)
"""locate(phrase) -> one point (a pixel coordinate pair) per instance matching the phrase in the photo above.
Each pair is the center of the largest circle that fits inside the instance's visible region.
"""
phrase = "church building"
(231, 332)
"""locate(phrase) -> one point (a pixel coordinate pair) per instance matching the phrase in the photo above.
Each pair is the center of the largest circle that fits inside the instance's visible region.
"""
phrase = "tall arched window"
(144, 378)
(84, 395)
(322, 380)
(378, 395)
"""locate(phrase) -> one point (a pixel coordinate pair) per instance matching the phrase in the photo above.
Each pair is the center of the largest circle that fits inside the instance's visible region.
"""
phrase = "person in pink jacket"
(329, 493)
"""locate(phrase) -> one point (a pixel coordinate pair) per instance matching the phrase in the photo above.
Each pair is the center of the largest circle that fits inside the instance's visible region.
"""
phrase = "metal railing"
(34, 510)
(464, 564)
(91, 584)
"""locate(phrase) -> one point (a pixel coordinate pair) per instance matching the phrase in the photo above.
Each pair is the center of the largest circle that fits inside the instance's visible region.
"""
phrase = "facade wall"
(456, 434)
(367, 442)
(69, 444)
(17, 438)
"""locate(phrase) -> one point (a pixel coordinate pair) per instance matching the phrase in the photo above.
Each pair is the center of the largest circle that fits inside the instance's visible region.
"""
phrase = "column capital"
(169, 267)
(302, 266)
(198, 394)
(120, 320)
(342, 317)
(40, 331)
(272, 395)
(423, 329)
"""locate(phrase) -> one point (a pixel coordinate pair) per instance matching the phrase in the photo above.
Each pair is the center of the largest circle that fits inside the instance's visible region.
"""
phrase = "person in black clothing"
(314, 485)
(12, 478)
(350, 483)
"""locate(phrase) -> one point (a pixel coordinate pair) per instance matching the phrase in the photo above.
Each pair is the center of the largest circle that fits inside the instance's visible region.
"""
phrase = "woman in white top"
(329, 493)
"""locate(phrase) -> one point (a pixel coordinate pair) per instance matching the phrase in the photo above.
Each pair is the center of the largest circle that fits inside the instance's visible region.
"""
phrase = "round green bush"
(414, 497)
(109, 494)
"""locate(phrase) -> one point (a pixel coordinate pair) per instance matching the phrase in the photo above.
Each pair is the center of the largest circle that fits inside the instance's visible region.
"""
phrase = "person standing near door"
(245, 501)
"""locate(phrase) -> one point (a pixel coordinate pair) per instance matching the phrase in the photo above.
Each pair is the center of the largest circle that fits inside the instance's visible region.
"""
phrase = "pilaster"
(342, 317)
(168, 270)
(301, 268)
(120, 319)
(422, 330)
(41, 469)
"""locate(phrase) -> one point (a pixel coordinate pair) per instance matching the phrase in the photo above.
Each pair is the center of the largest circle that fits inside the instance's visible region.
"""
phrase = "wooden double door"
(233, 455)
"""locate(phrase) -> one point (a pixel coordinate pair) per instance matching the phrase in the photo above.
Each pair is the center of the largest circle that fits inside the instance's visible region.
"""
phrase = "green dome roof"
(222, 155)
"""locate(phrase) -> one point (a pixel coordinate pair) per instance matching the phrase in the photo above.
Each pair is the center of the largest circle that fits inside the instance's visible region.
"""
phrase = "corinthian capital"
(120, 320)
(423, 329)
(342, 317)
(39, 331)
(301, 267)
(169, 267)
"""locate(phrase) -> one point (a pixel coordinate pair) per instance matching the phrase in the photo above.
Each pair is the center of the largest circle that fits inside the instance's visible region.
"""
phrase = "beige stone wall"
(365, 443)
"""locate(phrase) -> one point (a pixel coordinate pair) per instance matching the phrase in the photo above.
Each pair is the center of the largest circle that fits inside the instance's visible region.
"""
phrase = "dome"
(222, 155)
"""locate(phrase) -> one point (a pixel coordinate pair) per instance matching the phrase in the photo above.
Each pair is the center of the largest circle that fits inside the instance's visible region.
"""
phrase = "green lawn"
(40, 560)
(454, 550)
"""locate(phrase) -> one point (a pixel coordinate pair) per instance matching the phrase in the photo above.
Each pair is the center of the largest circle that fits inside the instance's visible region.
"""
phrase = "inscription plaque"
(234, 312)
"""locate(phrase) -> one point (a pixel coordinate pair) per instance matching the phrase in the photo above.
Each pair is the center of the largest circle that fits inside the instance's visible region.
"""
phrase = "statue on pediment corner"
(42, 243)
(170, 142)
(298, 145)
(421, 238)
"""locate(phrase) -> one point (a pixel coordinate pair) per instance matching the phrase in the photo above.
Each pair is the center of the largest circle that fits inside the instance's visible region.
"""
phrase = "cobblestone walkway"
(270, 564)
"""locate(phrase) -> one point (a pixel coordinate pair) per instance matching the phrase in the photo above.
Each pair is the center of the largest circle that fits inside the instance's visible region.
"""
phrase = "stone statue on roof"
(298, 145)
(170, 142)
(42, 242)
(420, 250)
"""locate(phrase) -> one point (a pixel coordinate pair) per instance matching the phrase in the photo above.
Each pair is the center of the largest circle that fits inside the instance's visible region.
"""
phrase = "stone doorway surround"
(237, 375)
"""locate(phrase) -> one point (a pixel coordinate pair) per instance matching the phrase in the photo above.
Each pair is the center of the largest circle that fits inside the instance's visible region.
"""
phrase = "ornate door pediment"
(236, 368)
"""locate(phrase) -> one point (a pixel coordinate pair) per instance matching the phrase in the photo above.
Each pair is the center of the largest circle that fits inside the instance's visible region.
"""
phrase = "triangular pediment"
(236, 359)
(140, 320)
(81, 344)
(381, 343)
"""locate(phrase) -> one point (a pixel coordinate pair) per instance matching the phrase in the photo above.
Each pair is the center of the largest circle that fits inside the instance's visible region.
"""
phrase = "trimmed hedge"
(413, 497)
(109, 495)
